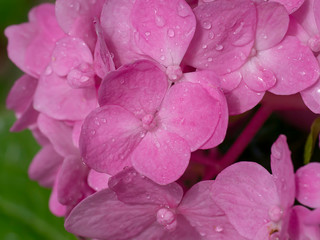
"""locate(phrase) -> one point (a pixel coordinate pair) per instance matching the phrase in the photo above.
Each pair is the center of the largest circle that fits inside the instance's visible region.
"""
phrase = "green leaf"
(311, 140)
(24, 211)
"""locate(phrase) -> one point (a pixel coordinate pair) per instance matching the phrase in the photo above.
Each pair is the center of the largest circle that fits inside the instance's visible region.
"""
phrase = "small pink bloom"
(257, 203)
(136, 208)
(30, 44)
(143, 123)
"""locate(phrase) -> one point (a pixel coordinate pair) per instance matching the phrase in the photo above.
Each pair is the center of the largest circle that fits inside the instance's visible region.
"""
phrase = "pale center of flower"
(314, 43)
(167, 218)
(275, 213)
(148, 122)
(174, 72)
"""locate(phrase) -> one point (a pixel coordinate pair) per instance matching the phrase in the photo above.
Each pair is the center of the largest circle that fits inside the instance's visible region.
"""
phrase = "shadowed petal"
(103, 216)
(134, 188)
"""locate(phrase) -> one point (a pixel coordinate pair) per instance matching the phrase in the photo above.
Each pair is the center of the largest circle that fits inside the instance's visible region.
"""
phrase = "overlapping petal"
(282, 171)
(308, 185)
(162, 156)
(246, 191)
(109, 135)
(103, 216)
(134, 188)
(293, 64)
(139, 88)
(224, 36)
(57, 99)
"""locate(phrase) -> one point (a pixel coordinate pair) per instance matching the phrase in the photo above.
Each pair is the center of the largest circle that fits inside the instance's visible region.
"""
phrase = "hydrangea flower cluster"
(121, 94)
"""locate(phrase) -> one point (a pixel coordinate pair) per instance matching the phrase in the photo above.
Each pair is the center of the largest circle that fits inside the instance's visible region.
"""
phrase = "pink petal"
(316, 10)
(116, 24)
(72, 184)
(230, 81)
(55, 206)
(31, 44)
(109, 135)
(103, 216)
(26, 120)
(58, 133)
(246, 192)
(103, 62)
(272, 25)
(308, 185)
(76, 133)
(242, 99)
(162, 156)
(307, 18)
(45, 165)
(164, 29)
(313, 218)
(256, 77)
(210, 82)
(282, 171)
(293, 64)
(311, 97)
(68, 54)
(21, 94)
(224, 36)
(98, 181)
(58, 100)
(290, 5)
(76, 18)
(298, 229)
(202, 212)
(195, 126)
(134, 188)
(138, 87)
(183, 231)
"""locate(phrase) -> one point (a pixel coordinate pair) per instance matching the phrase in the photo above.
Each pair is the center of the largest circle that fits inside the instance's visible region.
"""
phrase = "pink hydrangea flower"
(237, 40)
(144, 123)
(257, 203)
(136, 208)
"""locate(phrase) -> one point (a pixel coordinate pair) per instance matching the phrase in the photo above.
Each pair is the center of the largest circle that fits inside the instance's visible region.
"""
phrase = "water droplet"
(182, 9)
(210, 59)
(202, 234)
(142, 134)
(170, 32)
(160, 21)
(147, 34)
(206, 25)
(162, 57)
(93, 132)
(204, 46)
(148, 195)
(219, 47)
(211, 35)
(113, 140)
(264, 36)
(218, 229)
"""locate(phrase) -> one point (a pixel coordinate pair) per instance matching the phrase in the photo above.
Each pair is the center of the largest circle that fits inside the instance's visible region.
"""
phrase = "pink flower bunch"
(119, 93)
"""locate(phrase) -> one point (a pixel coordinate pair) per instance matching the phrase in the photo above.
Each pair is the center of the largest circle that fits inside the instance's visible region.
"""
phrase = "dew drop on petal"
(206, 25)
(171, 32)
(210, 59)
(218, 229)
(211, 35)
(219, 47)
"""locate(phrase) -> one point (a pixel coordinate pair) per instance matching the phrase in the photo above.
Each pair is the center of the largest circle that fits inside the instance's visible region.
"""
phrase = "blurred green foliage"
(24, 211)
